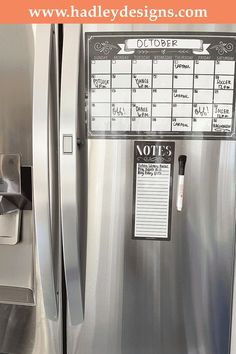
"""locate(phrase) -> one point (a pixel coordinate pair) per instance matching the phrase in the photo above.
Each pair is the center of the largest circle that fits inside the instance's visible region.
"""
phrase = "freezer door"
(151, 296)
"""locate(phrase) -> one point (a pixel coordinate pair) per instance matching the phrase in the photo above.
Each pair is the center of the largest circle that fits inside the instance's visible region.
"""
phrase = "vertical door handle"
(69, 170)
(180, 187)
(41, 165)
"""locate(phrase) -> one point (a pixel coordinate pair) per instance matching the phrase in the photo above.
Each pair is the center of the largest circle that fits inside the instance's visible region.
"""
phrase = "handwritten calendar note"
(183, 85)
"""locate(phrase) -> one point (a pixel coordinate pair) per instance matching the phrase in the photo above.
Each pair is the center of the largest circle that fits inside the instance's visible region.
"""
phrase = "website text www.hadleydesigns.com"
(113, 14)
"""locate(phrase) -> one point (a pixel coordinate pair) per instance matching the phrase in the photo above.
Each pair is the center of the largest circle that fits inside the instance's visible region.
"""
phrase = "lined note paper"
(153, 173)
(152, 200)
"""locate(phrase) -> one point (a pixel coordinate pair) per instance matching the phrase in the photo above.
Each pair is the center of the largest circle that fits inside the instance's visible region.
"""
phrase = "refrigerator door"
(29, 97)
(144, 295)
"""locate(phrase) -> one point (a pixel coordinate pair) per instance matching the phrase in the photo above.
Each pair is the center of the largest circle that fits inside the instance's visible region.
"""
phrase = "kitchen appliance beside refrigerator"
(30, 275)
(133, 294)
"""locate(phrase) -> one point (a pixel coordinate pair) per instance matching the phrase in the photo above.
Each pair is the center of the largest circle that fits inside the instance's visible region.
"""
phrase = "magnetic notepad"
(153, 179)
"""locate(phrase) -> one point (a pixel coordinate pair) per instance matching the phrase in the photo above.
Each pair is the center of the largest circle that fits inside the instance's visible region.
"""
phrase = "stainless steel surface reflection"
(23, 329)
(26, 330)
(10, 179)
(16, 70)
(152, 297)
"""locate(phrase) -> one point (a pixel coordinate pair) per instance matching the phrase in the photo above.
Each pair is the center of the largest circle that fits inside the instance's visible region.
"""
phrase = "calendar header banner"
(131, 45)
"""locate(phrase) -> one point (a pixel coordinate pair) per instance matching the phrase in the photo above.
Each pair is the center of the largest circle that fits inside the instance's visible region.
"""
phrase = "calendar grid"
(151, 122)
(172, 107)
(193, 91)
(131, 101)
(213, 94)
(110, 95)
(162, 95)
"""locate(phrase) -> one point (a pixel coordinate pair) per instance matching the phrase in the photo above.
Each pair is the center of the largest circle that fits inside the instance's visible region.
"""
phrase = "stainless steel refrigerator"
(119, 140)
(156, 255)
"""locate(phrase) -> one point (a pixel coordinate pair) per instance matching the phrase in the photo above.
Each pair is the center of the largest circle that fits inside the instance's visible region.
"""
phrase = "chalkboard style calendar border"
(160, 85)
